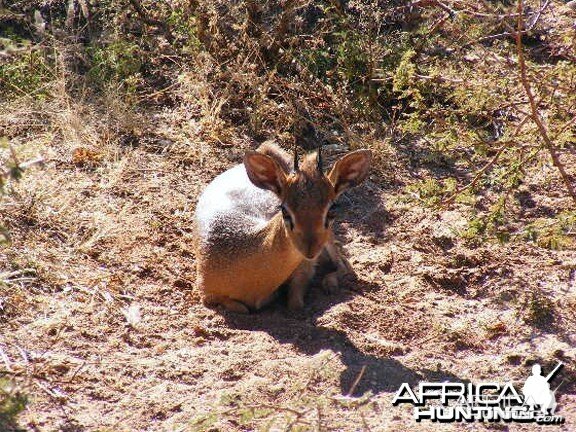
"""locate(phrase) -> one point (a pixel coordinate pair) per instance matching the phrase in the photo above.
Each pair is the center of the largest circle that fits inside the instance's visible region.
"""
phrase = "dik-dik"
(267, 222)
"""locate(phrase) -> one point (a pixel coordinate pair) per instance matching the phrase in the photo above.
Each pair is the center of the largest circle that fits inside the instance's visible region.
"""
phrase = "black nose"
(311, 251)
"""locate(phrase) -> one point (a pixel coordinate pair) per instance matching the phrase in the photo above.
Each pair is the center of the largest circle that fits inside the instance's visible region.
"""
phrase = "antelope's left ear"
(264, 172)
(350, 170)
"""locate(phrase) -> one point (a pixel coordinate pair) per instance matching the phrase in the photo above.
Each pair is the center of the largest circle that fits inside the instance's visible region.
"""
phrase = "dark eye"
(330, 215)
(287, 217)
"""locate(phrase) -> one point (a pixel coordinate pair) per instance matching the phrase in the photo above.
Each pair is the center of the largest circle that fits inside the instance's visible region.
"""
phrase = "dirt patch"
(101, 323)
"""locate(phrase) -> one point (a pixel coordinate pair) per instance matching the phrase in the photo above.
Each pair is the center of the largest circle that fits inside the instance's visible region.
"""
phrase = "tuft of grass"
(26, 74)
(8, 171)
(538, 310)
(12, 403)
(552, 233)
(431, 191)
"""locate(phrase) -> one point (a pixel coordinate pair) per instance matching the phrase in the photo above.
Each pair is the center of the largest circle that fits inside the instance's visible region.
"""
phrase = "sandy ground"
(102, 326)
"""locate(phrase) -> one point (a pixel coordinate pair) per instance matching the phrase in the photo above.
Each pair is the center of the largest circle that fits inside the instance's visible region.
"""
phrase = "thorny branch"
(480, 173)
(534, 113)
(477, 177)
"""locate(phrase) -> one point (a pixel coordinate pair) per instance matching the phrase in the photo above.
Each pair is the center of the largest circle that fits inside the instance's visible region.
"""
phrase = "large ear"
(264, 172)
(350, 170)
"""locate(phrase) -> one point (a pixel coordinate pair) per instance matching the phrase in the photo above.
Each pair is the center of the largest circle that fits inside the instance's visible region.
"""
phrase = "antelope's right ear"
(264, 172)
(350, 170)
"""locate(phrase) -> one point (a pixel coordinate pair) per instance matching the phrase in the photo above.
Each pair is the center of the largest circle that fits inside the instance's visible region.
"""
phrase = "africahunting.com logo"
(486, 401)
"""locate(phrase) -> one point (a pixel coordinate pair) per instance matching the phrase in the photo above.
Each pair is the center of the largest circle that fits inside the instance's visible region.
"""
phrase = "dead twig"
(512, 33)
(6, 360)
(22, 166)
(145, 18)
(278, 408)
(356, 381)
(479, 174)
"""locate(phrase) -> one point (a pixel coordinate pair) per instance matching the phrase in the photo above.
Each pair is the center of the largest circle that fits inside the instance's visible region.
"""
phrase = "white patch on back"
(232, 196)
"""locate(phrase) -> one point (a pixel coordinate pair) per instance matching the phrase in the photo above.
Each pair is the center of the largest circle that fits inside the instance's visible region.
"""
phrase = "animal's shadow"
(363, 207)
(381, 374)
(364, 371)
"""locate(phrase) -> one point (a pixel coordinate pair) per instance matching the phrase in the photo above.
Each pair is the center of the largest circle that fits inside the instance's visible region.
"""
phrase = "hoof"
(330, 283)
(296, 304)
(236, 307)
(228, 304)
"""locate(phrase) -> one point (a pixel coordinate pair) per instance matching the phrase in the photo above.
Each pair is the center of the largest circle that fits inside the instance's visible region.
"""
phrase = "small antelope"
(267, 222)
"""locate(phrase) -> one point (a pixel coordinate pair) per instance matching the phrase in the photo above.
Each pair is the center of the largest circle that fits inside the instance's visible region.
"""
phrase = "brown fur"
(246, 250)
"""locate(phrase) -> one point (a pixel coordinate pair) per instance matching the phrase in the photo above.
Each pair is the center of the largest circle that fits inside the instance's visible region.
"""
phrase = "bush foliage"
(12, 403)
(467, 104)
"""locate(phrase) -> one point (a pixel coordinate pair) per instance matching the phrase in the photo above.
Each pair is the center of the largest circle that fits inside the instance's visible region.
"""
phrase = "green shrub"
(25, 74)
(12, 403)
(117, 62)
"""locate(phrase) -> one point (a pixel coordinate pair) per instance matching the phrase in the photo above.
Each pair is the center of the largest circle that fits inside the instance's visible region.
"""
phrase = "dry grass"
(99, 321)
